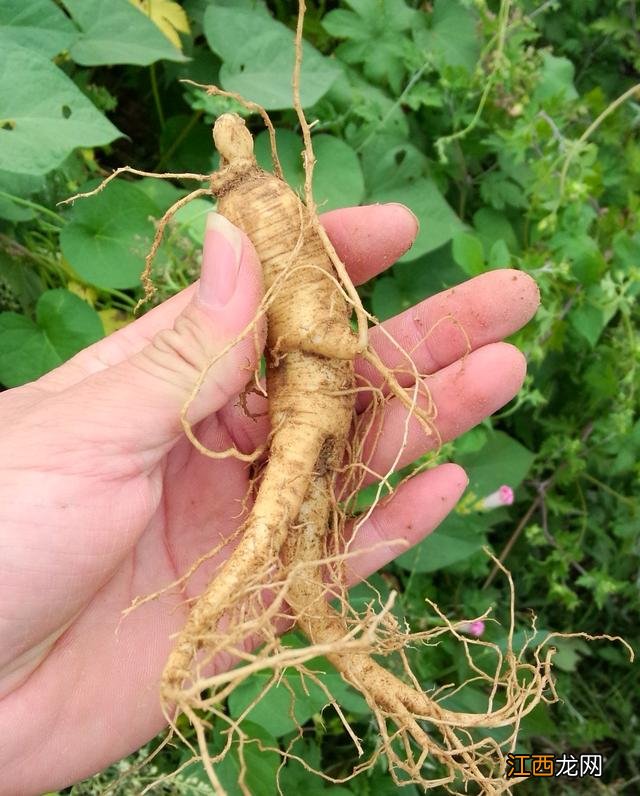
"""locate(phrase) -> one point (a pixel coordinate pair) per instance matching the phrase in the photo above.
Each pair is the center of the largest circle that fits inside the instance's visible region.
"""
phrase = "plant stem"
(179, 139)
(503, 19)
(33, 205)
(130, 302)
(608, 489)
(156, 95)
(592, 128)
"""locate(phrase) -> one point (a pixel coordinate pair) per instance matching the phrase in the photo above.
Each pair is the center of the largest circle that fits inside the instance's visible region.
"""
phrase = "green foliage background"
(497, 123)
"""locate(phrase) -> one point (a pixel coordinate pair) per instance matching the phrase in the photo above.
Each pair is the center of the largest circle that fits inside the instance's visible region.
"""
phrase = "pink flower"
(475, 628)
(501, 497)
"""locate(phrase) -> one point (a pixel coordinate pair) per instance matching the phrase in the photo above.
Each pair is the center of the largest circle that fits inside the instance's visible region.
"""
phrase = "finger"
(402, 520)
(368, 239)
(143, 395)
(464, 394)
(445, 327)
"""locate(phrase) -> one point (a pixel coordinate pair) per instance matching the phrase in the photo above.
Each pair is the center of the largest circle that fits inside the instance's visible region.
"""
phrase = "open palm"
(103, 499)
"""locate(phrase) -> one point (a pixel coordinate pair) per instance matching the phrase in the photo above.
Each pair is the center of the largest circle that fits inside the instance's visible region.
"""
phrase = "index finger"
(367, 239)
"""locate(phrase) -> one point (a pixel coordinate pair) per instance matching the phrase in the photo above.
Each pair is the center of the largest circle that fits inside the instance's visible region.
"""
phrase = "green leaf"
(452, 40)
(428, 275)
(295, 778)
(438, 221)
(116, 32)
(455, 539)
(64, 325)
(108, 236)
(258, 57)
(468, 253)
(626, 249)
(497, 190)
(295, 696)
(492, 226)
(191, 219)
(587, 261)
(390, 162)
(556, 80)
(569, 653)
(260, 766)
(372, 33)
(36, 24)
(499, 256)
(589, 321)
(43, 116)
(387, 298)
(501, 460)
(14, 184)
(337, 177)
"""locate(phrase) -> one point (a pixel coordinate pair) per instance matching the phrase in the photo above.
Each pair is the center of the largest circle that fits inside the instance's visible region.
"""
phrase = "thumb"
(141, 398)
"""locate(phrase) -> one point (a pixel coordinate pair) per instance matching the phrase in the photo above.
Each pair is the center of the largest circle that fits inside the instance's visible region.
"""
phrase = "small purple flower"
(475, 628)
(501, 497)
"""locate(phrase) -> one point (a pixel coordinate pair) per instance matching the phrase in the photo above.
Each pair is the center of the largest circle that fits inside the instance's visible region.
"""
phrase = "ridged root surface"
(310, 383)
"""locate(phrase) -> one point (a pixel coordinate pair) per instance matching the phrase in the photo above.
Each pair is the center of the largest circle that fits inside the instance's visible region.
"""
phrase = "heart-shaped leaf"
(109, 234)
(43, 115)
(64, 325)
(116, 32)
(36, 24)
(258, 56)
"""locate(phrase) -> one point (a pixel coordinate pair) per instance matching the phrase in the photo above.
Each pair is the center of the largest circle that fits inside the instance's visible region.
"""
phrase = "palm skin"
(103, 499)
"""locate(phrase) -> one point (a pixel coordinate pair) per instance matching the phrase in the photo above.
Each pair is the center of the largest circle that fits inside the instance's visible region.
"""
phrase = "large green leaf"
(258, 56)
(64, 325)
(452, 40)
(36, 24)
(491, 226)
(501, 460)
(337, 177)
(556, 80)
(468, 253)
(455, 539)
(15, 186)
(43, 116)
(372, 32)
(389, 161)
(116, 32)
(438, 221)
(108, 235)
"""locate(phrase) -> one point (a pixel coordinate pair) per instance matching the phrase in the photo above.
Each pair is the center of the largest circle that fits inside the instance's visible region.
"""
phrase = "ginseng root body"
(310, 351)
(283, 550)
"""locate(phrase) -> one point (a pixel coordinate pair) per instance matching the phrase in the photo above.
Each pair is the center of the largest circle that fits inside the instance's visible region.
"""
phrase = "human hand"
(103, 499)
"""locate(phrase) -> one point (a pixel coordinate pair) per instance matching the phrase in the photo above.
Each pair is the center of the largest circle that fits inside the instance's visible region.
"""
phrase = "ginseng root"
(310, 384)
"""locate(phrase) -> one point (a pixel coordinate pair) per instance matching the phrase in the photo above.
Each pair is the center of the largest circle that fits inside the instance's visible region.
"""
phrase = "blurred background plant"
(511, 130)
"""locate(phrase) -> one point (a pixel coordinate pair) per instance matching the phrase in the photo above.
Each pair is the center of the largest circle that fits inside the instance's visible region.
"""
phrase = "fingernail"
(221, 258)
(408, 210)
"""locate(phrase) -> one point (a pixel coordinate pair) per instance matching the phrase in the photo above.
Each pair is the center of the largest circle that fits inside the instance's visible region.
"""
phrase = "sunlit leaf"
(169, 17)
(116, 32)
(44, 116)
(38, 25)
(452, 39)
(108, 236)
(258, 56)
